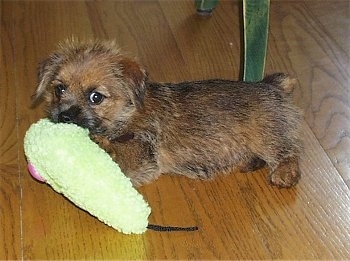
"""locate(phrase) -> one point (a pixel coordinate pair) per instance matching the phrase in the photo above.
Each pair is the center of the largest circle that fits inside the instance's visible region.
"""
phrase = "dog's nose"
(70, 115)
(64, 117)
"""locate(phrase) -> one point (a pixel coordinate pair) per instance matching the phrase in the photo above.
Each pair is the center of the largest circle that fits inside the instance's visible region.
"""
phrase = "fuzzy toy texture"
(64, 157)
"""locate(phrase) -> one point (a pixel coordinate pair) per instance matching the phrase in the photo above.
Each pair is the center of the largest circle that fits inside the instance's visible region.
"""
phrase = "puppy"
(198, 129)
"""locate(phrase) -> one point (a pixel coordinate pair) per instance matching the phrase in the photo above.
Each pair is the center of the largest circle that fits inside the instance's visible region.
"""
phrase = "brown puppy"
(197, 129)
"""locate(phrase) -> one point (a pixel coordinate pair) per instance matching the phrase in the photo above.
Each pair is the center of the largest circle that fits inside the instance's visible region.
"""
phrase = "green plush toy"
(63, 156)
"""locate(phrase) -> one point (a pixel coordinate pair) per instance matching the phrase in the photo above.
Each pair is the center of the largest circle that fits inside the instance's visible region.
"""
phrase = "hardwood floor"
(239, 216)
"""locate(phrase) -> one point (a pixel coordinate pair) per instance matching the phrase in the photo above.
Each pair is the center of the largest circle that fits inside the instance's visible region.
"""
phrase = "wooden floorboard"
(239, 216)
(314, 47)
(10, 197)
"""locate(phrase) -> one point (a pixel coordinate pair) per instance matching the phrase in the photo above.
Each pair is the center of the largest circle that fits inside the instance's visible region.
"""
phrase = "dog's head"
(92, 85)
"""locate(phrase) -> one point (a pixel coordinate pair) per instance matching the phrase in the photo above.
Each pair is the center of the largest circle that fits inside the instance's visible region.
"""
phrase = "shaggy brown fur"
(197, 129)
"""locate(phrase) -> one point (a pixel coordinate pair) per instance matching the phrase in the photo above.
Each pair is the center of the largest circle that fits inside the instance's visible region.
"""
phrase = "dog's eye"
(96, 98)
(60, 89)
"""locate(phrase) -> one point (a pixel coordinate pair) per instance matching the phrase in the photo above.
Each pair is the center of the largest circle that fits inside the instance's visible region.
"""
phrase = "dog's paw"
(286, 175)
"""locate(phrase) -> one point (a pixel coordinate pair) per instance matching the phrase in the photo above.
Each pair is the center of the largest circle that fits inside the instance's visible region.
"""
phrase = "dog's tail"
(281, 80)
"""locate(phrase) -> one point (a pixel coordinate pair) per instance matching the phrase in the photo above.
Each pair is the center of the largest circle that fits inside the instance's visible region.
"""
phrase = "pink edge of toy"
(34, 173)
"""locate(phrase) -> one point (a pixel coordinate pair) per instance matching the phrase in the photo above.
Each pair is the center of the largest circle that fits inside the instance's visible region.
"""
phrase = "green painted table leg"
(205, 7)
(256, 24)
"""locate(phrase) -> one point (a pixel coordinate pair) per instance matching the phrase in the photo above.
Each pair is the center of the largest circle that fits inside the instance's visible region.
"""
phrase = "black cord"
(160, 228)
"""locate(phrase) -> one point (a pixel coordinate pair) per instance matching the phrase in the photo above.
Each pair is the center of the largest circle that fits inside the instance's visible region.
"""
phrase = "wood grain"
(10, 205)
(315, 49)
(8, 139)
(239, 215)
(196, 37)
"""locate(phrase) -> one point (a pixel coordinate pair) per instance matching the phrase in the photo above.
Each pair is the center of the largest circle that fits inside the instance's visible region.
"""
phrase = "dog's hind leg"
(253, 164)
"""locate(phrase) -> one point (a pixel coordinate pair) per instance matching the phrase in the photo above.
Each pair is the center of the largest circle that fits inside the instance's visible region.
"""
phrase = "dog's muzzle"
(69, 116)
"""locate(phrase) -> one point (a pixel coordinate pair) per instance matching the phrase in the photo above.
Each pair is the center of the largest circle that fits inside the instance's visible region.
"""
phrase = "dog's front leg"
(135, 158)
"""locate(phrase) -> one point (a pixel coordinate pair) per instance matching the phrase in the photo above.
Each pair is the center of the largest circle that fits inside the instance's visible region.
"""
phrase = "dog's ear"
(46, 71)
(136, 77)
(43, 79)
